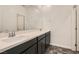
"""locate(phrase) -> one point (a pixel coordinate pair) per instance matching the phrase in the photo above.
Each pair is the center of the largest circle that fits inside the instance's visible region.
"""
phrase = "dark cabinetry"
(47, 39)
(41, 44)
(35, 46)
(21, 48)
(31, 50)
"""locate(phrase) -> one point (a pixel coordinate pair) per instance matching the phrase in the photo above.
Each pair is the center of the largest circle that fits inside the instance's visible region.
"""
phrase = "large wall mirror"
(12, 18)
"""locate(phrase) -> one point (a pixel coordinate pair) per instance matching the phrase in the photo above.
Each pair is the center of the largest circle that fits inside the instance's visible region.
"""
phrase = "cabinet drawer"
(20, 48)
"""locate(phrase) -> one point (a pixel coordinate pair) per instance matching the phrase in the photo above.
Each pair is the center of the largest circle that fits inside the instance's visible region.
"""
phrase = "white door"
(78, 28)
(20, 22)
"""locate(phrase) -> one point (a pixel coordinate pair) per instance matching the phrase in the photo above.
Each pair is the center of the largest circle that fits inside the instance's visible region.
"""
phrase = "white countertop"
(21, 37)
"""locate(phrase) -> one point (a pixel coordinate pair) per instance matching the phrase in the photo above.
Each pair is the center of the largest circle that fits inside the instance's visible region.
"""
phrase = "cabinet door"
(41, 46)
(31, 50)
(47, 39)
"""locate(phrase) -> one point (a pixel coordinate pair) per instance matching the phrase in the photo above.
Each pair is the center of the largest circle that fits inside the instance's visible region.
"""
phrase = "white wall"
(61, 26)
(60, 19)
(9, 14)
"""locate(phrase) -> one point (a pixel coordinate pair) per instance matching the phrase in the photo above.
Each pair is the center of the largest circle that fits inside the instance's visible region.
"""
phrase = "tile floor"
(59, 50)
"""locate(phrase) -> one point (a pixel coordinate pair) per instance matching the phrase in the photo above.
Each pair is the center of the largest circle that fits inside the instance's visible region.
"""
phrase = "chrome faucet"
(11, 34)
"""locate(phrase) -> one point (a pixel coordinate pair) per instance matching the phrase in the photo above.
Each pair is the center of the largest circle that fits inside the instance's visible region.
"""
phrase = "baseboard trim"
(61, 46)
(64, 48)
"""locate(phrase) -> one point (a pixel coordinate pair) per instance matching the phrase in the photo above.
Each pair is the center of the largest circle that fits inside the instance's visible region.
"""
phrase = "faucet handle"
(13, 33)
(10, 34)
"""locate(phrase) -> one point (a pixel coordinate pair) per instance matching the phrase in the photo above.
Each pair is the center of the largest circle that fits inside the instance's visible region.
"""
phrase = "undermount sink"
(18, 37)
(13, 39)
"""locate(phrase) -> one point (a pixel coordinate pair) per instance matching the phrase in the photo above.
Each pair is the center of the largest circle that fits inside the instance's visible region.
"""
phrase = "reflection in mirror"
(20, 22)
(12, 18)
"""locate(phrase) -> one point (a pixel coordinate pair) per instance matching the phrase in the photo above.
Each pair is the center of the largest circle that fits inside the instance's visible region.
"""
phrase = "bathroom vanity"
(34, 43)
